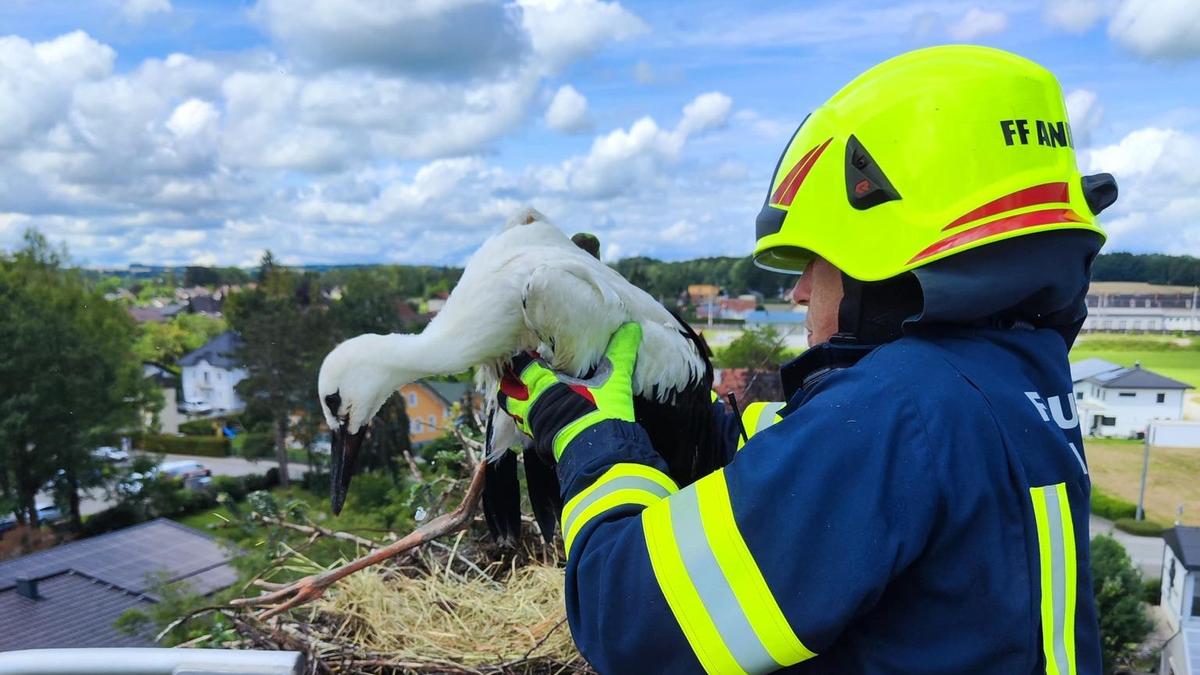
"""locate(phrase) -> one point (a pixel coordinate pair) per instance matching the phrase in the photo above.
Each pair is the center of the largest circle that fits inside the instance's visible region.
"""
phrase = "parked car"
(195, 407)
(49, 513)
(108, 453)
(193, 474)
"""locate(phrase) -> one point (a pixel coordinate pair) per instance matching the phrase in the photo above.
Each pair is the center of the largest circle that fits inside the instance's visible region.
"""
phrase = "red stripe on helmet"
(791, 184)
(1047, 193)
(1017, 222)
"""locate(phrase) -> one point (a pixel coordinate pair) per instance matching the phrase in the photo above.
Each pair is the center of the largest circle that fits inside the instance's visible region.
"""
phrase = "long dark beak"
(344, 459)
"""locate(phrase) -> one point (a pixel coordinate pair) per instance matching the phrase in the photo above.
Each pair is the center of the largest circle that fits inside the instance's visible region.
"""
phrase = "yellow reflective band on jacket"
(713, 585)
(1056, 553)
(759, 416)
(621, 485)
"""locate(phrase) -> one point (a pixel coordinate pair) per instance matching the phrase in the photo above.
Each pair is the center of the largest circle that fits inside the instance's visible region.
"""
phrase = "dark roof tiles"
(220, 351)
(1185, 544)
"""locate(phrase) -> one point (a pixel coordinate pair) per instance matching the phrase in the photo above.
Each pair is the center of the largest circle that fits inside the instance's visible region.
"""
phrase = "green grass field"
(1163, 355)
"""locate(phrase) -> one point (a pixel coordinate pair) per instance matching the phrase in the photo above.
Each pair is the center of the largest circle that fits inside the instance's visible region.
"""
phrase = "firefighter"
(919, 504)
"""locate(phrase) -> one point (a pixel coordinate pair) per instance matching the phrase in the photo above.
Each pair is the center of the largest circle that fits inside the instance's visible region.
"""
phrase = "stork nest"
(441, 611)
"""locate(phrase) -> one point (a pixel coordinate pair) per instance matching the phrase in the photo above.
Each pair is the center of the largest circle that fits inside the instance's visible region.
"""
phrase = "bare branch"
(312, 587)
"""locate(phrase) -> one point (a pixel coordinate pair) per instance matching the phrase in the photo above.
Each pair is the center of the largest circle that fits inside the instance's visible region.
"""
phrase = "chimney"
(28, 588)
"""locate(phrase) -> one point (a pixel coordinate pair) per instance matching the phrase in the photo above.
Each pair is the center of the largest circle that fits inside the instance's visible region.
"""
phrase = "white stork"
(529, 287)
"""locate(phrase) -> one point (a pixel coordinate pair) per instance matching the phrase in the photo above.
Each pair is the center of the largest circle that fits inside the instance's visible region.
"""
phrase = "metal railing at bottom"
(152, 661)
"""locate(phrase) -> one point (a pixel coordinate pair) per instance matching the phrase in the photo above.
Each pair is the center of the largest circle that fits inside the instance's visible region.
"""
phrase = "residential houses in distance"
(210, 374)
(428, 406)
(1134, 306)
(1118, 402)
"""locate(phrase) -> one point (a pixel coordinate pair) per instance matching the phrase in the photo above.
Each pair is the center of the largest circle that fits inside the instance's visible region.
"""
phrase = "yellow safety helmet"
(926, 155)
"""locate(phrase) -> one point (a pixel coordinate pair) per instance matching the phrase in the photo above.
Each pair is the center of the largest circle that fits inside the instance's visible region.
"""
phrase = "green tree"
(285, 334)
(1117, 587)
(68, 377)
(167, 341)
(756, 348)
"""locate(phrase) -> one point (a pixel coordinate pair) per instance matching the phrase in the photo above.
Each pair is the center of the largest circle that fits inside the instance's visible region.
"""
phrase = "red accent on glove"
(583, 391)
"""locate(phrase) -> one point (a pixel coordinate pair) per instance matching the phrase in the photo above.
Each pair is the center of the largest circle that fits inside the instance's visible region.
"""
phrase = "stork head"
(353, 385)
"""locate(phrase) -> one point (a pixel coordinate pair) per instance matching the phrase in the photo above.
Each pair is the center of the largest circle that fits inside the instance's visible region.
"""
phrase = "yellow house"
(702, 293)
(428, 407)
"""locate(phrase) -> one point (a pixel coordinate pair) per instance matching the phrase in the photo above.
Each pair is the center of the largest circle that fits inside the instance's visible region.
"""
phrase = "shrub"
(115, 518)
(272, 477)
(234, 486)
(1144, 528)
(316, 482)
(207, 427)
(203, 446)
(1118, 589)
(1152, 590)
(1108, 506)
(370, 491)
(253, 445)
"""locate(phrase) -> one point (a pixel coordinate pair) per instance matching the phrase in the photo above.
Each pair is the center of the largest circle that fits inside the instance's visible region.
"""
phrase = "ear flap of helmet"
(866, 186)
(1100, 191)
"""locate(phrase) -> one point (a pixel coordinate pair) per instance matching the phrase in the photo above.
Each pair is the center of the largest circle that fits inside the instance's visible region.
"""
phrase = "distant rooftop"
(1185, 544)
(1136, 378)
(1082, 370)
(1135, 288)
(450, 392)
(220, 351)
(85, 585)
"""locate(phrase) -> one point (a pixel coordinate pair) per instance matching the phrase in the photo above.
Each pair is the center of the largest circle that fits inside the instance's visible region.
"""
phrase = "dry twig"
(312, 587)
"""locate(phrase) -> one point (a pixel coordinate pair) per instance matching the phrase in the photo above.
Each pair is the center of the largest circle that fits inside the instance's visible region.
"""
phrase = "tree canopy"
(68, 376)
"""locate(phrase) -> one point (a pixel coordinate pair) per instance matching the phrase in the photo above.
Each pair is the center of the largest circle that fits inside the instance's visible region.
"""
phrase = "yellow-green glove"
(554, 408)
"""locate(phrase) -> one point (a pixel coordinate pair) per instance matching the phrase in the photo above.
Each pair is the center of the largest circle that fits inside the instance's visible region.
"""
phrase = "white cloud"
(638, 157)
(136, 11)
(1085, 113)
(568, 111)
(977, 23)
(1158, 29)
(193, 117)
(705, 112)
(448, 38)
(1157, 204)
(565, 30)
(1150, 29)
(37, 81)
(1076, 16)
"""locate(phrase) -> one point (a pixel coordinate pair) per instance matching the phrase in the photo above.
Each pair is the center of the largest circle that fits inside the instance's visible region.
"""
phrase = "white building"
(1180, 601)
(1117, 402)
(210, 373)
(1125, 306)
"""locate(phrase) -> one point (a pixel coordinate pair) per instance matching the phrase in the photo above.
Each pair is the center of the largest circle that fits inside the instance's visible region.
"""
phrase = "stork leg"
(502, 499)
(312, 587)
(544, 493)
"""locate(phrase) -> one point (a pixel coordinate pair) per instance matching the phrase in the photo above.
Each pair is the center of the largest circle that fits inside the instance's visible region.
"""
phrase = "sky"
(374, 131)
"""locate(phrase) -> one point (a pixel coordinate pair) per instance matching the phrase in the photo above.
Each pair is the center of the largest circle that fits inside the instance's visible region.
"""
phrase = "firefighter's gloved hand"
(554, 408)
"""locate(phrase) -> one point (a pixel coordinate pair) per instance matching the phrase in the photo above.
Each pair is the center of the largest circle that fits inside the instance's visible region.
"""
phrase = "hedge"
(203, 446)
(1143, 528)
(199, 428)
(1110, 507)
(253, 445)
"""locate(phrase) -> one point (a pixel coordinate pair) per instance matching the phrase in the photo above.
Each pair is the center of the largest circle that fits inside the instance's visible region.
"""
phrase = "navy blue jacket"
(923, 511)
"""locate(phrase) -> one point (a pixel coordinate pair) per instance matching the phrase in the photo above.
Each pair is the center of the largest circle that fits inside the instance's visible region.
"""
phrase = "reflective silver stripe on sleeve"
(1058, 576)
(619, 483)
(767, 417)
(710, 583)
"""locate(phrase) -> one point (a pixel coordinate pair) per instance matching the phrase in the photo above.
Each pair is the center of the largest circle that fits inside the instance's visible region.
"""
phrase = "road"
(95, 500)
(1146, 552)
